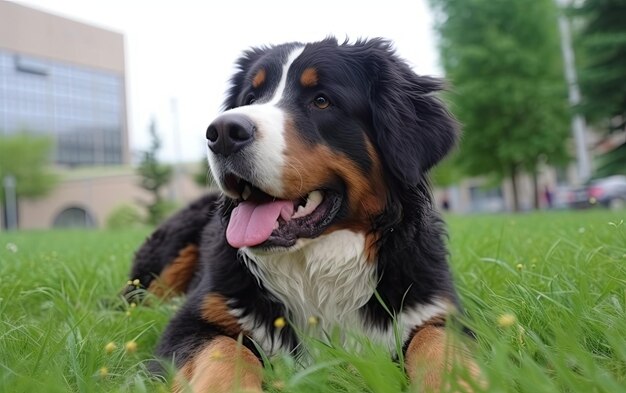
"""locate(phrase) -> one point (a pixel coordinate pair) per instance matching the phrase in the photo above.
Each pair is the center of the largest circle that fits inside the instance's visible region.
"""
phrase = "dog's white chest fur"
(327, 279)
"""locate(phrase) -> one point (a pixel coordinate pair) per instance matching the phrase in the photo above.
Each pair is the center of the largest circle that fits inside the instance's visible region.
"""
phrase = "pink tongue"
(251, 224)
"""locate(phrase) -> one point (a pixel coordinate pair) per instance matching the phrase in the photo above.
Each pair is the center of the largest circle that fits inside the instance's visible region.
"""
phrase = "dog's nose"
(229, 133)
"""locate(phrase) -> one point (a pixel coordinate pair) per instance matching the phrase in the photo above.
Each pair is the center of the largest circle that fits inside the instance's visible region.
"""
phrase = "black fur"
(375, 94)
(162, 247)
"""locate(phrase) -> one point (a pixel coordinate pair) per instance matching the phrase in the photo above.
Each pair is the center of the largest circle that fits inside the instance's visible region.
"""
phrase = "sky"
(181, 53)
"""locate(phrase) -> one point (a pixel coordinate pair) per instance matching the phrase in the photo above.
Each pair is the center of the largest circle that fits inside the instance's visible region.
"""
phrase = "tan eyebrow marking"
(259, 78)
(309, 77)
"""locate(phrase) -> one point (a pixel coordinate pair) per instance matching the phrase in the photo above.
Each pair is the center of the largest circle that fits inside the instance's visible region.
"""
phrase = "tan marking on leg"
(223, 366)
(309, 77)
(259, 78)
(175, 277)
(430, 356)
(216, 311)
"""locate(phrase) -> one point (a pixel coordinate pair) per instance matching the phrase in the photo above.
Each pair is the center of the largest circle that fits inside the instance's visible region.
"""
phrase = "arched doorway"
(74, 217)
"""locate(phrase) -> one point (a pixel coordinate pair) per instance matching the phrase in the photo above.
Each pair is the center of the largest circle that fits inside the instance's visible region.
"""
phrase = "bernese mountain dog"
(325, 214)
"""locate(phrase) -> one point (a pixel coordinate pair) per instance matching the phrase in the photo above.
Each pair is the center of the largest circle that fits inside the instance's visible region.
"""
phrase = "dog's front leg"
(430, 356)
(222, 366)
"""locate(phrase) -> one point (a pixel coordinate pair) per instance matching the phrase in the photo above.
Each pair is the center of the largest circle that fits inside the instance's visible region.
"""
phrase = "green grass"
(561, 275)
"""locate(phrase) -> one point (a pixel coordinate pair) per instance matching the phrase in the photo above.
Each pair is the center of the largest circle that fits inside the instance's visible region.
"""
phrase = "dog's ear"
(237, 82)
(413, 129)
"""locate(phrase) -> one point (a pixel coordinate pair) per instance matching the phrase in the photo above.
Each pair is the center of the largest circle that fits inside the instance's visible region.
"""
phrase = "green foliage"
(611, 163)
(447, 172)
(124, 217)
(154, 176)
(561, 276)
(602, 74)
(26, 157)
(160, 210)
(203, 177)
(503, 60)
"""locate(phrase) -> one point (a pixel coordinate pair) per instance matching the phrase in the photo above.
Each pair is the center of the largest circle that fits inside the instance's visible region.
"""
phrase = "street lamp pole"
(10, 200)
(578, 121)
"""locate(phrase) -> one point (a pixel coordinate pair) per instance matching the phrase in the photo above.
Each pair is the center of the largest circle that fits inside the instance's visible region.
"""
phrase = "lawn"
(545, 294)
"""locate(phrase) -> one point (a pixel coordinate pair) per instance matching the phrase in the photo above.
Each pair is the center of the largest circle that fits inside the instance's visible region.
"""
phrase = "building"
(87, 196)
(64, 79)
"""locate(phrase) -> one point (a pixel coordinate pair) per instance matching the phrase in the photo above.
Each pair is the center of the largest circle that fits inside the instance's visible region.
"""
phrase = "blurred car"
(609, 192)
(578, 198)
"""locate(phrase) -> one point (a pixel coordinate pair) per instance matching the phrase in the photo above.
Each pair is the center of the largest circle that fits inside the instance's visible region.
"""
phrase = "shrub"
(124, 216)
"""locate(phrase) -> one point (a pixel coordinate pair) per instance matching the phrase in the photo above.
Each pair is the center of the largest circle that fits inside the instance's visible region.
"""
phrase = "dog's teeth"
(314, 198)
(312, 202)
(246, 193)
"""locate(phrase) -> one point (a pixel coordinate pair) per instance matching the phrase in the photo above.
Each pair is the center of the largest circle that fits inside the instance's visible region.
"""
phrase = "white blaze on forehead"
(280, 89)
(265, 154)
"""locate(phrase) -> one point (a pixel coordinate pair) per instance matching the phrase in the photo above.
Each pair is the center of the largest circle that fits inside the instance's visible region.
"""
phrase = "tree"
(602, 73)
(602, 66)
(503, 59)
(26, 157)
(154, 176)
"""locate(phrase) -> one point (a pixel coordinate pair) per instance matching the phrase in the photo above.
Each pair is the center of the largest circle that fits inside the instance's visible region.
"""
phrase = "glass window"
(69, 102)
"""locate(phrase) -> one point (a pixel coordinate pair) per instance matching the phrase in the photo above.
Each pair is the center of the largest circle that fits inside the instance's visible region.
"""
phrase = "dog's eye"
(321, 102)
(250, 99)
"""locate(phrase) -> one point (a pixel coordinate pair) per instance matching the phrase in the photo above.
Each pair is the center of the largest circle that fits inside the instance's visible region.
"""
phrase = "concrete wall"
(38, 33)
(99, 196)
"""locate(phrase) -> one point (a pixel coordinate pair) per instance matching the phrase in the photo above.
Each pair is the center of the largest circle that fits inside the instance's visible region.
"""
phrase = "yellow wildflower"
(131, 346)
(506, 320)
(110, 347)
(279, 323)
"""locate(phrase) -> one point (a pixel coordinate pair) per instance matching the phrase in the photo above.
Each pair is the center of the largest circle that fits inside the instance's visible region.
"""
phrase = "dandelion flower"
(110, 347)
(506, 320)
(136, 282)
(103, 371)
(133, 305)
(313, 320)
(279, 323)
(131, 346)
(519, 266)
